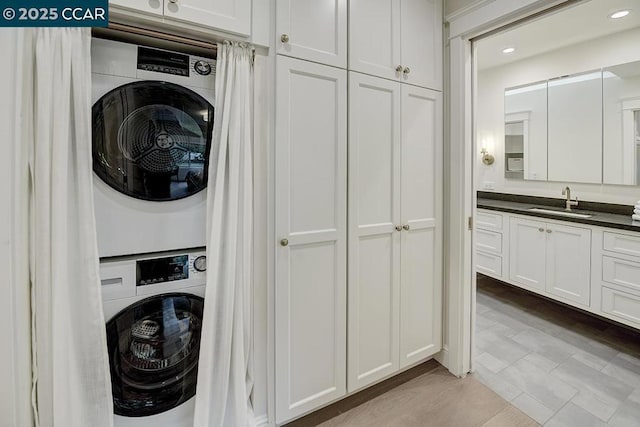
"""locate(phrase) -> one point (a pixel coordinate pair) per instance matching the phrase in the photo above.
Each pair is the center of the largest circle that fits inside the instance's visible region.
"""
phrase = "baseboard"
(262, 420)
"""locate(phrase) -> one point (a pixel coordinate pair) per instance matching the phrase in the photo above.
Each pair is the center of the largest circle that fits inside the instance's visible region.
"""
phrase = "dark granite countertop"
(604, 214)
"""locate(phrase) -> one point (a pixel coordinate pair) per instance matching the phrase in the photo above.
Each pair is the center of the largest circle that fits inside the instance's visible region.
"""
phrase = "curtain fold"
(71, 381)
(225, 383)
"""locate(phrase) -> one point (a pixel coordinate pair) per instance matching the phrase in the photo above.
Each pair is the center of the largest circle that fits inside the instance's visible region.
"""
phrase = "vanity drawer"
(489, 221)
(622, 305)
(621, 272)
(489, 241)
(489, 264)
(622, 243)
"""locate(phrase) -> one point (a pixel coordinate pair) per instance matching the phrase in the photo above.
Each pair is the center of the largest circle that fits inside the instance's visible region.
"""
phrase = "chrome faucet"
(566, 191)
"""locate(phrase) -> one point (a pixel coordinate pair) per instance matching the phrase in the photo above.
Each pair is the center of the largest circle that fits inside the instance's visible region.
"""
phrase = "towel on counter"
(636, 211)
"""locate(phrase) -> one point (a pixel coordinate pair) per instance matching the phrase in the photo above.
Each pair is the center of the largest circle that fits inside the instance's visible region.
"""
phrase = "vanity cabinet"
(315, 30)
(395, 227)
(553, 258)
(397, 39)
(230, 16)
(490, 241)
(619, 292)
(311, 236)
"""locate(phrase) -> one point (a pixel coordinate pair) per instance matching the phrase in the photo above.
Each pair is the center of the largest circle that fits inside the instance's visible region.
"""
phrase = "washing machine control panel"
(168, 269)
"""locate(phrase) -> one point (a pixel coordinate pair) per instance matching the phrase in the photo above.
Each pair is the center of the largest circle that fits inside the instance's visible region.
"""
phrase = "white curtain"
(71, 382)
(223, 396)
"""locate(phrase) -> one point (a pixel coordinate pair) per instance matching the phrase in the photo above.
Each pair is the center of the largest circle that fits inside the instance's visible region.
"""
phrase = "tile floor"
(560, 366)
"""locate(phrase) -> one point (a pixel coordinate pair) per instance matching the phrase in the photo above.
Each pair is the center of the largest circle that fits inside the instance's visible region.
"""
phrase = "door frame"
(478, 18)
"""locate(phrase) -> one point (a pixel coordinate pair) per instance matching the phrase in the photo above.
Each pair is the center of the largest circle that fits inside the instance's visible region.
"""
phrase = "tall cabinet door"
(374, 37)
(315, 30)
(233, 16)
(569, 262)
(374, 241)
(527, 252)
(422, 42)
(421, 209)
(310, 300)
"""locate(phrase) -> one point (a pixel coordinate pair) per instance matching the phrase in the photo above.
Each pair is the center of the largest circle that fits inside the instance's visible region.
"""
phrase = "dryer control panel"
(125, 277)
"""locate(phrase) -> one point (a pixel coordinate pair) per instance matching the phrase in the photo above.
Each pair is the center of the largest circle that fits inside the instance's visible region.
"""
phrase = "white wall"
(616, 49)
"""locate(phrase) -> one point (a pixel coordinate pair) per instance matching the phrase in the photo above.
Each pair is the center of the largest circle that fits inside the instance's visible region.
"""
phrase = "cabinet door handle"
(284, 242)
(406, 227)
(399, 69)
(406, 70)
(548, 231)
(283, 38)
(398, 228)
(173, 1)
(541, 229)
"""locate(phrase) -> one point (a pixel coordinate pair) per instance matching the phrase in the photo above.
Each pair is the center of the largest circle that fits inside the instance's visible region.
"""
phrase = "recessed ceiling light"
(619, 14)
(508, 50)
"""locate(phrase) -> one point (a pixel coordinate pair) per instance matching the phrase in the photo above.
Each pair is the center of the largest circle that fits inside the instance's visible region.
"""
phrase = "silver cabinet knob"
(541, 229)
(173, 1)
(284, 242)
(283, 38)
(398, 228)
(399, 69)
(406, 70)
(549, 231)
(406, 227)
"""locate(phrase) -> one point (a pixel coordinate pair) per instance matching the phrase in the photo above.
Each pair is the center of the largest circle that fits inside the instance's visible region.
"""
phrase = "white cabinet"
(230, 16)
(310, 185)
(233, 16)
(315, 30)
(152, 7)
(569, 262)
(490, 242)
(551, 257)
(395, 214)
(527, 248)
(397, 39)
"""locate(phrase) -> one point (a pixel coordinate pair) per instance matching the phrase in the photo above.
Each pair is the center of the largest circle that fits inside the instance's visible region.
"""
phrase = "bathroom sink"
(561, 213)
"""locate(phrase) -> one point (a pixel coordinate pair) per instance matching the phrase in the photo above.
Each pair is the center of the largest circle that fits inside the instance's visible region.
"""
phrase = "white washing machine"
(153, 309)
(152, 134)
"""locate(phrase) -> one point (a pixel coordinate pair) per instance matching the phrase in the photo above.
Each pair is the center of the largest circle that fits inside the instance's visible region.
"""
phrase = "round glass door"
(151, 140)
(153, 353)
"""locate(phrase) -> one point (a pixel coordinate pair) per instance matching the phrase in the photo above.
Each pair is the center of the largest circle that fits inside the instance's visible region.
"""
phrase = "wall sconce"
(487, 158)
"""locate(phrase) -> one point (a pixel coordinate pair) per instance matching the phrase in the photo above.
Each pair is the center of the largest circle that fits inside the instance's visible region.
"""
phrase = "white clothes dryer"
(153, 308)
(152, 133)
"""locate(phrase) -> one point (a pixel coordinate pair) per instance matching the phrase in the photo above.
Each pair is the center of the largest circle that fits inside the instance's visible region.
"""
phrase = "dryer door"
(153, 353)
(151, 140)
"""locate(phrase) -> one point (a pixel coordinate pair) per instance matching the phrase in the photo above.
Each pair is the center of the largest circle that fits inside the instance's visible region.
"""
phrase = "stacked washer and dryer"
(152, 134)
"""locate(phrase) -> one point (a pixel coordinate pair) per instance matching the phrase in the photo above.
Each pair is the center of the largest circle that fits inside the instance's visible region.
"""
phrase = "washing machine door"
(153, 353)
(151, 140)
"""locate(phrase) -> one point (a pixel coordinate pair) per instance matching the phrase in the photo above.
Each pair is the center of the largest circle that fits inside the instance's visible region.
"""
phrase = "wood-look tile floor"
(560, 366)
(435, 398)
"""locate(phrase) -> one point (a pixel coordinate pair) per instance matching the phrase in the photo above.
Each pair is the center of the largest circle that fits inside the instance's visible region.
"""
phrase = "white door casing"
(310, 185)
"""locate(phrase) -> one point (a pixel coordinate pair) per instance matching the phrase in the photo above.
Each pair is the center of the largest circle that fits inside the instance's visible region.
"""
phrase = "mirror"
(525, 132)
(559, 105)
(575, 128)
(621, 96)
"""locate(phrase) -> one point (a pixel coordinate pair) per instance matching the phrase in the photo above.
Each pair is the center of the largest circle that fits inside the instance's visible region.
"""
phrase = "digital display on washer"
(162, 61)
(159, 270)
